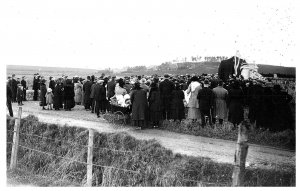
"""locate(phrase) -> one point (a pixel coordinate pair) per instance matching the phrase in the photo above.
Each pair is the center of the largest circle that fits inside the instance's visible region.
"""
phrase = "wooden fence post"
(89, 172)
(15, 145)
(240, 155)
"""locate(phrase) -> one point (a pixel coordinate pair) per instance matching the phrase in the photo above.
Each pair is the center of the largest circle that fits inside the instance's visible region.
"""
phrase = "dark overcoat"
(177, 106)
(87, 86)
(58, 93)
(52, 84)
(42, 94)
(154, 105)
(282, 119)
(205, 97)
(235, 104)
(139, 102)
(111, 89)
(166, 87)
(69, 96)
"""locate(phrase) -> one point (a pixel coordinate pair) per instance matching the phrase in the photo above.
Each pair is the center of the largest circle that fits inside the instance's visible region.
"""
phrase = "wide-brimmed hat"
(49, 90)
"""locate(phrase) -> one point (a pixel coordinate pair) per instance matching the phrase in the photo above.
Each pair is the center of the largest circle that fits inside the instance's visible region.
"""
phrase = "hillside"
(199, 68)
(44, 69)
(212, 67)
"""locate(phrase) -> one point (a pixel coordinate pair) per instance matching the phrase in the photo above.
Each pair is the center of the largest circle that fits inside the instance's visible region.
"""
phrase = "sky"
(117, 33)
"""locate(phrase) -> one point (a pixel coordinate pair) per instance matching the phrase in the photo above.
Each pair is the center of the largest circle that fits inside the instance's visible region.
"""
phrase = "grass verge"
(285, 139)
(147, 162)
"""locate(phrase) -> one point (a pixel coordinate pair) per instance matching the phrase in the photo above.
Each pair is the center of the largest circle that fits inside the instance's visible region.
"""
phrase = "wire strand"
(78, 161)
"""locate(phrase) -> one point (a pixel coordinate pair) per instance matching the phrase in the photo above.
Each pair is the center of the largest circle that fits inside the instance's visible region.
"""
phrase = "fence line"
(67, 158)
(16, 145)
(72, 160)
(69, 142)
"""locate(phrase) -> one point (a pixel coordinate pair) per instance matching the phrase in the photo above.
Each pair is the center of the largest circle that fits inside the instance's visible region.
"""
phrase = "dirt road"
(216, 149)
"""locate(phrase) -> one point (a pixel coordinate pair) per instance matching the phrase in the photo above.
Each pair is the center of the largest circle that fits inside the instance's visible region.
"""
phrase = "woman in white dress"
(193, 104)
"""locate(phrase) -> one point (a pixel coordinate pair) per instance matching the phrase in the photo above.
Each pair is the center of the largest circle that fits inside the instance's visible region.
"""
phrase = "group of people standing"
(156, 98)
(15, 91)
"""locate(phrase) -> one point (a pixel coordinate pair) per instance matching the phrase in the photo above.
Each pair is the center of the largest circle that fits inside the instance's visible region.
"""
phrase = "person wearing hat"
(14, 87)
(127, 85)
(139, 102)
(78, 91)
(111, 85)
(9, 98)
(49, 98)
(100, 98)
(43, 94)
(58, 95)
(205, 98)
(166, 87)
(154, 105)
(220, 107)
(255, 99)
(20, 94)
(24, 84)
(92, 95)
(144, 86)
(87, 86)
(177, 105)
(235, 103)
(52, 83)
(193, 104)
(69, 95)
(36, 86)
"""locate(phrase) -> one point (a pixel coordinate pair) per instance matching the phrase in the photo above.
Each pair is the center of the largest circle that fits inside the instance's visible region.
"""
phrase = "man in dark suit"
(9, 98)
(100, 97)
(111, 85)
(24, 84)
(166, 87)
(87, 91)
(205, 98)
(36, 86)
(14, 87)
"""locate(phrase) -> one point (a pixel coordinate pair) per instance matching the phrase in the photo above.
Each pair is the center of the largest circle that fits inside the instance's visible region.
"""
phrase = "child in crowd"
(49, 98)
(20, 94)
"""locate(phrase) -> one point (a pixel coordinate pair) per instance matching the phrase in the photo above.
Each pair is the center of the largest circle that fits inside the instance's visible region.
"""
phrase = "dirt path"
(217, 149)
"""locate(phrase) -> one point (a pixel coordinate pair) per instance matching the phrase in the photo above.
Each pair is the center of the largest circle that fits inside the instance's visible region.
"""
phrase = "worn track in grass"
(216, 149)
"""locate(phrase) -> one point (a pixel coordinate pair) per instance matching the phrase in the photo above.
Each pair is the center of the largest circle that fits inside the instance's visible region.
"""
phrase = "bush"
(155, 165)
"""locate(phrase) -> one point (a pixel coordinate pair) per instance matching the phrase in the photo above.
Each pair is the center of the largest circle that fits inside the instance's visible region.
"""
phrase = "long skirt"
(193, 113)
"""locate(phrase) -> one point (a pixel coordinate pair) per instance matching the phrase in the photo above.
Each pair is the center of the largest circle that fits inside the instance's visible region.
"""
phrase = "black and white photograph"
(149, 93)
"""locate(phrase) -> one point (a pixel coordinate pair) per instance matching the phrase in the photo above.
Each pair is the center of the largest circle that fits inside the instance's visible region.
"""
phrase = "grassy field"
(29, 71)
(147, 162)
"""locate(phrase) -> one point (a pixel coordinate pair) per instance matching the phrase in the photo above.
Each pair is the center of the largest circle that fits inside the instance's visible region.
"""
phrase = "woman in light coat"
(78, 92)
(220, 106)
(193, 104)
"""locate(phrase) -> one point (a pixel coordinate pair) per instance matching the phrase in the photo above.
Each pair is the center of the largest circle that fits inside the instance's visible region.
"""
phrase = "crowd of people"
(152, 99)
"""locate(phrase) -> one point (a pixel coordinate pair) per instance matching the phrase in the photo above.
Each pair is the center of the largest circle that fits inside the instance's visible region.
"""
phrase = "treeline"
(270, 75)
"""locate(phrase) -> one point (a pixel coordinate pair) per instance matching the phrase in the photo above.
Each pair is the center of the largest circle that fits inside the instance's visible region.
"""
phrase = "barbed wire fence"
(15, 145)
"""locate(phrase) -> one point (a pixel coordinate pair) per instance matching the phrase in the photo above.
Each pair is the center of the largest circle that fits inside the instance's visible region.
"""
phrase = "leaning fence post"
(240, 155)
(89, 172)
(15, 145)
